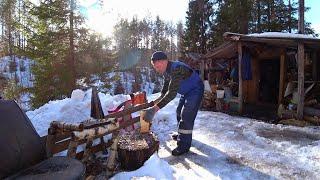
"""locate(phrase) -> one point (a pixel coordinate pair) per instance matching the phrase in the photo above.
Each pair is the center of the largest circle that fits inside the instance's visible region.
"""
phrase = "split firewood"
(310, 111)
(314, 120)
(310, 102)
(144, 125)
(317, 106)
(294, 122)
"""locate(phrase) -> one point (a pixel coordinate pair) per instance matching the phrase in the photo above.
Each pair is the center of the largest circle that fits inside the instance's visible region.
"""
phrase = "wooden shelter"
(274, 61)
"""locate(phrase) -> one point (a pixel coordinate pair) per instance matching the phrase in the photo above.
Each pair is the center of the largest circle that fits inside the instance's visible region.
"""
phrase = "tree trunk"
(289, 17)
(71, 59)
(135, 149)
(301, 17)
(244, 17)
(259, 17)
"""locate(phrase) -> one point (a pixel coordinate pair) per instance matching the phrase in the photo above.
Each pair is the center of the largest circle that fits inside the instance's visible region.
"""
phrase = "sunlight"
(102, 19)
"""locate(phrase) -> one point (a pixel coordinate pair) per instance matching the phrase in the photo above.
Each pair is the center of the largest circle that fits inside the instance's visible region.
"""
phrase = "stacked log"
(311, 111)
(314, 120)
(208, 102)
(136, 148)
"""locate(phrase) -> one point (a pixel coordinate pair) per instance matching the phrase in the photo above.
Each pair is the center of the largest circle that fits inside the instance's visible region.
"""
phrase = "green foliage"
(122, 35)
(159, 40)
(198, 22)
(47, 32)
(207, 20)
(256, 16)
(93, 54)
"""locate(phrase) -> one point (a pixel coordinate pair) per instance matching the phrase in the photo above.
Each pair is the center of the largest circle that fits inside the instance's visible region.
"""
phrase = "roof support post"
(240, 93)
(300, 80)
(282, 74)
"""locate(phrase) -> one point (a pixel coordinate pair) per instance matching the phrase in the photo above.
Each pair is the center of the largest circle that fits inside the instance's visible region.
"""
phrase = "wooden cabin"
(265, 64)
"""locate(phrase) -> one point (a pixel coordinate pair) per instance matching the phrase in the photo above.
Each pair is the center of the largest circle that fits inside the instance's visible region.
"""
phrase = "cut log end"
(134, 149)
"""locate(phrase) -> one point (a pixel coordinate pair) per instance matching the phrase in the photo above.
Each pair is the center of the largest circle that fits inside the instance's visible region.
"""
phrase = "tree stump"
(136, 148)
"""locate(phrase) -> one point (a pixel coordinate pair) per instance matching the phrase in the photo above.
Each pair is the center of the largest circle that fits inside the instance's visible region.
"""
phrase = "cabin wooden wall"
(251, 87)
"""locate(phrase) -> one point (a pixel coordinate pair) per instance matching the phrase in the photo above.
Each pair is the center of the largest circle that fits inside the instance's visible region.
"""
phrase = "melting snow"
(223, 147)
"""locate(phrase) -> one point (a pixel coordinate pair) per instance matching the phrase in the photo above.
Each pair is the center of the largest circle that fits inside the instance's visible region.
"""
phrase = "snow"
(71, 110)
(22, 74)
(126, 79)
(283, 35)
(77, 95)
(154, 168)
(223, 147)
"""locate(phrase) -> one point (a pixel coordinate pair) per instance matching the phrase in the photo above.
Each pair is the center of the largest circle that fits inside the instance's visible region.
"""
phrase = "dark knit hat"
(158, 55)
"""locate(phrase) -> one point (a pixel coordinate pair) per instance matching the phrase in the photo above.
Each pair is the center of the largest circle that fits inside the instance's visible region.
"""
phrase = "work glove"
(148, 114)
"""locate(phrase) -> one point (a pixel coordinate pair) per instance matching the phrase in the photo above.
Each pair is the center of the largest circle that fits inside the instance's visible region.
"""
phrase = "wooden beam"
(240, 93)
(202, 66)
(300, 80)
(315, 63)
(282, 74)
(94, 149)
(60, 146)
(49, 145)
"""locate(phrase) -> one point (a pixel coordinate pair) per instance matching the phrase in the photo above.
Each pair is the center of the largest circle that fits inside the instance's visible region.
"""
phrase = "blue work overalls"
(191, 90)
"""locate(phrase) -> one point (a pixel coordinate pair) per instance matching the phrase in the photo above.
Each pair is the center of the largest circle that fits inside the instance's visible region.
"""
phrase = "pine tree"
(198, 21)
(145, 27)
(171, 32)
(180, 35)
(251, 16)
(50, 43)
(159, 40)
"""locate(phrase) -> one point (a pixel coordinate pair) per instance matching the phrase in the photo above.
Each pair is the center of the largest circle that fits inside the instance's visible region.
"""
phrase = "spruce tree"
(48, 36)
(198, 21)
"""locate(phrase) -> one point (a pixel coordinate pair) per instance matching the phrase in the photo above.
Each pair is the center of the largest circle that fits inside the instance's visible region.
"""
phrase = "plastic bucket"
(220, 93)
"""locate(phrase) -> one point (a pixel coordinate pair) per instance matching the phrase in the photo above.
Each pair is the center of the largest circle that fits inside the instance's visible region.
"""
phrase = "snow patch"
(283, 35)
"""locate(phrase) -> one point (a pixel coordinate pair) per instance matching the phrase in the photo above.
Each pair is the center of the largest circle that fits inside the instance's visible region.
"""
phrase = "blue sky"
(103, 18)
(313, 15)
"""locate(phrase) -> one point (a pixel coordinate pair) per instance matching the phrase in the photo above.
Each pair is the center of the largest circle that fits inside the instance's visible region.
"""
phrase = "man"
(179, 78)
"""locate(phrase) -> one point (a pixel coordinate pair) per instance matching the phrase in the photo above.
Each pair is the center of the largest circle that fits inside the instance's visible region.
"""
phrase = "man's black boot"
(174, 137)
(178, 152)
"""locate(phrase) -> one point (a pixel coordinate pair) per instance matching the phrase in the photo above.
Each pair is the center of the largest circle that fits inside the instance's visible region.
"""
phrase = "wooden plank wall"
(240, 93)
(251, 87)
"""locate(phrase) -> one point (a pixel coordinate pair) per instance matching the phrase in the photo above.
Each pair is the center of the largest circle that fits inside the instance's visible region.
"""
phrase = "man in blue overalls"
(179, 78)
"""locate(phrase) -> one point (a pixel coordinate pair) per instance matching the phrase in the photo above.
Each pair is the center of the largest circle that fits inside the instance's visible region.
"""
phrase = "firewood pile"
(130, 147)
(287, 110)
(208, 102)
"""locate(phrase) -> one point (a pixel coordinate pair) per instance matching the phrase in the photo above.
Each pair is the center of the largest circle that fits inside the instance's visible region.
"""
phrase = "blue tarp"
(246, 66)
